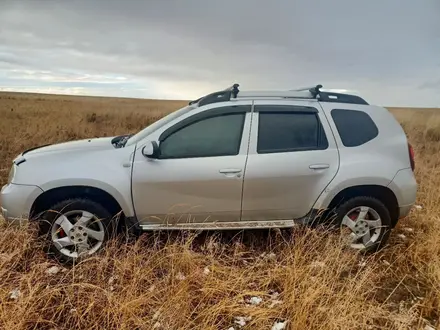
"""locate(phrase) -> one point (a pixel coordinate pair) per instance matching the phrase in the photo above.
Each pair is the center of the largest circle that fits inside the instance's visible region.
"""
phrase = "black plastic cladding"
(225, 95)
(340, 98)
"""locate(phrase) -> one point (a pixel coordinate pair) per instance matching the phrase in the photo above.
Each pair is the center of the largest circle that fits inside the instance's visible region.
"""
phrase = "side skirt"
(222, 225)
(310, 219)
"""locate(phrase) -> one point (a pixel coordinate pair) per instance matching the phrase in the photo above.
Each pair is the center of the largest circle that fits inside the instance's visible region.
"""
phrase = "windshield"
(151, 128)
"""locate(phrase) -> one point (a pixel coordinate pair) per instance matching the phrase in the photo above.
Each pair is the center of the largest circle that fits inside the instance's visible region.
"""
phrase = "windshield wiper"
(121, 140)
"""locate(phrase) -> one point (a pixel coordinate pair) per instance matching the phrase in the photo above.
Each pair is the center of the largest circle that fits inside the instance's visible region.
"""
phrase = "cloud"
(183, 49)
(433, 84)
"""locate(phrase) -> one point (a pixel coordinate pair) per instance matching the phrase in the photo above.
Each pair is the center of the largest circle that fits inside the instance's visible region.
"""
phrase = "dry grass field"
(239, 280)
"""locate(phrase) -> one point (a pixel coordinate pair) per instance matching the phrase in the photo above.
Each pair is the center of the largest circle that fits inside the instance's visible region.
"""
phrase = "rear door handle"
(319, 166)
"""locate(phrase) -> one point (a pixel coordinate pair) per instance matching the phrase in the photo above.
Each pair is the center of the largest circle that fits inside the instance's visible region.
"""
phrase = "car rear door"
(292, 158)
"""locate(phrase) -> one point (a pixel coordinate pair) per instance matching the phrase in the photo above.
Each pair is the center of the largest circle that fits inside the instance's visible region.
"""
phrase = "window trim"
(339, 133)
(218, 112)
(281, 108)
(322, 140)
(224, 110)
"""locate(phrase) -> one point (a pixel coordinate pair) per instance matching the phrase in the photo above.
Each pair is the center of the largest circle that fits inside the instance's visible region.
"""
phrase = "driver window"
(214, 136)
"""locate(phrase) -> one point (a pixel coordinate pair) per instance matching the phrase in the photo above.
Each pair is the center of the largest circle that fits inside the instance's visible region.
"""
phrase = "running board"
(222, 225)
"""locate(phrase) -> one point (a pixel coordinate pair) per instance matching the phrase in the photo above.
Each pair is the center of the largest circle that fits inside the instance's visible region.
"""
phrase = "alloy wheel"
(365, 227)
(77, 233)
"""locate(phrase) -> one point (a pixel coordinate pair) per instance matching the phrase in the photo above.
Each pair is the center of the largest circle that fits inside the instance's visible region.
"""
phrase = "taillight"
(411, 156)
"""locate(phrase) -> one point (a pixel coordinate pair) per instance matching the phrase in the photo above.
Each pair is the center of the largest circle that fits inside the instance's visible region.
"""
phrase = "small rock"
(156, 325)
(231, 328)
(53, 270)
(386, 263)
(418, 207)
(112, 288)
(180, 276)
(279, 325)
(156, 315)
(255, 300)
(73, 310)
(15, 294)
(241, 320)
(111, 280)
(206, 271)
(362, 263)
(268, 256)
(274, 295)
(317, 264)
(409, 230)
(152, 288)
(275, 302)
(401, 236)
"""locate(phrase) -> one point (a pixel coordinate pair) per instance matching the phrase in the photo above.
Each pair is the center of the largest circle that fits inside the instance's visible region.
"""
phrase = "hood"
(86, 144)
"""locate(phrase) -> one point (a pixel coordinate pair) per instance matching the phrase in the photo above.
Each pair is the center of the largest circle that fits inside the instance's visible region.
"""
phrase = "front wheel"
(76, 228)
(365, 222)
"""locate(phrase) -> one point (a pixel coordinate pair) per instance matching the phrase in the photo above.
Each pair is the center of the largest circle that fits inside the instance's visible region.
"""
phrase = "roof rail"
(305, 94)
(221, 96)
(313, 92)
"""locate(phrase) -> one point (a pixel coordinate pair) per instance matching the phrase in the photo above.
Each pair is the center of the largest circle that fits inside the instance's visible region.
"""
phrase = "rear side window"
(289, 131)
(354, 127)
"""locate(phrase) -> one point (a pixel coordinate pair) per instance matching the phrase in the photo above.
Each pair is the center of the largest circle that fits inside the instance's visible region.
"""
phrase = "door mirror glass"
(151, 150)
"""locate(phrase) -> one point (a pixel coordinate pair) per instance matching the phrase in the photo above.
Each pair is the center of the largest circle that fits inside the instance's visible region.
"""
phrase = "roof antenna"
(315, 90)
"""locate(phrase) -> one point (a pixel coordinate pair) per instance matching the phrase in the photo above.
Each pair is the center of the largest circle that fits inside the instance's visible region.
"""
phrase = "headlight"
(11, 174)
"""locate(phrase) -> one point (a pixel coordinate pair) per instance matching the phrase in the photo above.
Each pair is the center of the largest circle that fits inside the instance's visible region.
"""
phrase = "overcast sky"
(385, 50)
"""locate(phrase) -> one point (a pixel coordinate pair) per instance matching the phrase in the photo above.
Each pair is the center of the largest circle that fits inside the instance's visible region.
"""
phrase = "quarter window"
(354, 127)
(208, 137)
(289, 131)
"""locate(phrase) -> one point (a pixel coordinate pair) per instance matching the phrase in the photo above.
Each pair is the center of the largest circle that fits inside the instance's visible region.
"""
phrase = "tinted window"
(289, 131)
(214, 136)
(354, 127)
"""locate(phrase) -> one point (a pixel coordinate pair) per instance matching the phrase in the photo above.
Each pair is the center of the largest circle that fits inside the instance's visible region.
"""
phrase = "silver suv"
(229, 160)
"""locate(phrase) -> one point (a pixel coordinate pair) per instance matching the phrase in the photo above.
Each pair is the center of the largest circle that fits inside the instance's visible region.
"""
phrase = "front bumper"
(16, 202)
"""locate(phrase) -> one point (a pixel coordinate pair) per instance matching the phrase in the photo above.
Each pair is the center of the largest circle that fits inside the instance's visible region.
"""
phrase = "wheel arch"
(382, 193)
(49, 197)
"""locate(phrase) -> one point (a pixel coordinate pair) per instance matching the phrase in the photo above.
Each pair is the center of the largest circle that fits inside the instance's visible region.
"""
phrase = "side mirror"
(151, 150)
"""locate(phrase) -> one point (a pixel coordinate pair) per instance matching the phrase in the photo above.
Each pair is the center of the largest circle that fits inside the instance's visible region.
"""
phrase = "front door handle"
(319, 166)
(231, 172)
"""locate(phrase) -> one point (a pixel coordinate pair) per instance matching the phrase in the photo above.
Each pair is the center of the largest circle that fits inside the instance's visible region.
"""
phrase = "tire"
(76, 229)
(354, 209)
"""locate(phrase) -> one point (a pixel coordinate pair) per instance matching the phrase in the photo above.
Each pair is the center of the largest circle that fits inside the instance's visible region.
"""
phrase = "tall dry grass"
(215, 280)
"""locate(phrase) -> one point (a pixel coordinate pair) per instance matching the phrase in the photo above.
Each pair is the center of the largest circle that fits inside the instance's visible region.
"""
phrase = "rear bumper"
(16, 202)
(404, 186)
(404, 210)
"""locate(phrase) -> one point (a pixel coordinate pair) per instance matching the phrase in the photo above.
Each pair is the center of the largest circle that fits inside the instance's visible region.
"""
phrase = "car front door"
(198, 176)
(292, 158)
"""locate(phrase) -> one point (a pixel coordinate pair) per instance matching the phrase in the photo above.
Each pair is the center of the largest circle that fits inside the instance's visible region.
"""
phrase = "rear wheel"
(365, 222)
(76, 229)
